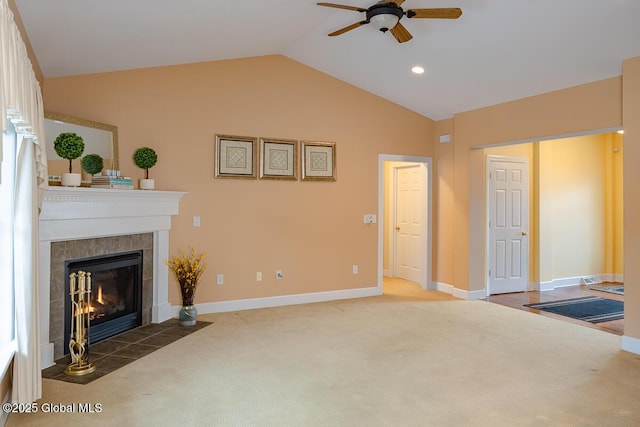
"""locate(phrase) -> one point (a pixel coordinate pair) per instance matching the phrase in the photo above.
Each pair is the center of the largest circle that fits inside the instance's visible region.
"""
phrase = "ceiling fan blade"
(347, 28)
(441, 13)
(400, 33)
(342, 6)
(398, 2)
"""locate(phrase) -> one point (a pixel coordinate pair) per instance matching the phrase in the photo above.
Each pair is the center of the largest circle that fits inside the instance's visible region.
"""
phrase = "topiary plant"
(145, 158)
(92, 163)
(69, 145)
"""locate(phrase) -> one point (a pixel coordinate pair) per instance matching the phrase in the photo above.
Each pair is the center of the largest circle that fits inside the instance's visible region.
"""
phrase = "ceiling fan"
(385, 16)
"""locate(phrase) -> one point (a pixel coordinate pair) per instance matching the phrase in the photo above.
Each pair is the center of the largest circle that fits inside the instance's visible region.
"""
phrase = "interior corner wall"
(631, 192)
(312, 231)
(581, 109)
(444, 205)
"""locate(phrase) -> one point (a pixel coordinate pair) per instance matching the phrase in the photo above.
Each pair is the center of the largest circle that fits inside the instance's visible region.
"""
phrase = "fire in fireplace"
(116, 288)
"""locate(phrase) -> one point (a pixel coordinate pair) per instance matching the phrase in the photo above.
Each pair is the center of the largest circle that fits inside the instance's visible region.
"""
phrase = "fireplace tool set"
(80, 293)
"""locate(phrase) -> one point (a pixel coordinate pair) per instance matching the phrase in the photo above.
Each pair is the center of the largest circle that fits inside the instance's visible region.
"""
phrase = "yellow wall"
(614, 208)
(312, 231)
(574, 202)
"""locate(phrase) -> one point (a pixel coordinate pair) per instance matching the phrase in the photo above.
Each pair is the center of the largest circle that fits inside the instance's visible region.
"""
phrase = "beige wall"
(631, 173)
(312, 231)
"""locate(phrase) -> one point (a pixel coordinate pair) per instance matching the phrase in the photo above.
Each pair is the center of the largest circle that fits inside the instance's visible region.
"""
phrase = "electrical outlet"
(369, 218)
(278, 274)
(220, 279)
(259, 276)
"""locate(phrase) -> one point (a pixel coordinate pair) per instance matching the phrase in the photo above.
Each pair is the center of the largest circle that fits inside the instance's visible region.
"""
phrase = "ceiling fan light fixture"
(384, 22)
(384, 16)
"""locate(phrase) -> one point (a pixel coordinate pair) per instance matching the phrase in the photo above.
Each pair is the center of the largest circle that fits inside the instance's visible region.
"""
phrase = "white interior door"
(508, 213)
(410, 217)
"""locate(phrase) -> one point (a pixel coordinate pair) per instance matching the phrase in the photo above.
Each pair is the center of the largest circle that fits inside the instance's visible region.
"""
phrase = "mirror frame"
(90, 123)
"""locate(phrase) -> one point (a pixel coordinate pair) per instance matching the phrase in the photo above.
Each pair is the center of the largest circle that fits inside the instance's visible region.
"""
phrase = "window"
(7, 305)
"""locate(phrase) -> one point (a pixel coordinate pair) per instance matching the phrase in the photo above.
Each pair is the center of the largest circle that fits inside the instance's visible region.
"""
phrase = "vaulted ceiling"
(498, 50)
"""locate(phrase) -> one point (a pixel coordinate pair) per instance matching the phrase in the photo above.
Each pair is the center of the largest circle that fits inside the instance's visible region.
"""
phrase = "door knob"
(524, 233)
(397, 228)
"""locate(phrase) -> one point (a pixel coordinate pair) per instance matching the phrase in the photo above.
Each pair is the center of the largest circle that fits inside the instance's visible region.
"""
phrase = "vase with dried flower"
(188, 269)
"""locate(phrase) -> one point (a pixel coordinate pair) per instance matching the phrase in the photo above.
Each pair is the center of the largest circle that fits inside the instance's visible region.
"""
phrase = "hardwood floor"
(518, 299)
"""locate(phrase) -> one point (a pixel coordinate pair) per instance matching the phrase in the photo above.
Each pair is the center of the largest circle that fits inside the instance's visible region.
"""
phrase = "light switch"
(196, 221)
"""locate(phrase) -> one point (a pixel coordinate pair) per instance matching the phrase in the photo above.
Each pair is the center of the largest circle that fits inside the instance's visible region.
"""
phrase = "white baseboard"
(46, 355)
(630, 344)
(575, 281)
(161, 313)
(279, 301)
(619, 278)
(460, 293)
(443, 287)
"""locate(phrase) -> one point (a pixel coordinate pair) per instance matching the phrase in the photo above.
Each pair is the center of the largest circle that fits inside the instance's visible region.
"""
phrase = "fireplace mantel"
(84, 213)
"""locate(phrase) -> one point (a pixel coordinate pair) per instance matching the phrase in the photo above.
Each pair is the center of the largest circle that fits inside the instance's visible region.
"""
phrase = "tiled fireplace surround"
(85, 222)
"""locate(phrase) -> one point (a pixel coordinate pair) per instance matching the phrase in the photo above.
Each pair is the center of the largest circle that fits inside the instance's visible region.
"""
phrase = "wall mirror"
(99, 138)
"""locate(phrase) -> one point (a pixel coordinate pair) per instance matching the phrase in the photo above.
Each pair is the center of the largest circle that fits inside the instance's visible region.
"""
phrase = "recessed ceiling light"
(418, 70)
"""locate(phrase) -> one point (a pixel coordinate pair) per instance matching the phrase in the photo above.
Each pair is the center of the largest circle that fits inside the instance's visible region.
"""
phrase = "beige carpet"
(382, 361)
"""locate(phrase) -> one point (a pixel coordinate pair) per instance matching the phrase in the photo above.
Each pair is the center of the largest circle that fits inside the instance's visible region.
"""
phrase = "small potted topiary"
(69, 145)
(92, 164)
(145, 158)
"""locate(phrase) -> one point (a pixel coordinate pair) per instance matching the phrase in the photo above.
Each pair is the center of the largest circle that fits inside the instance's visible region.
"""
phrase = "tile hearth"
(120, 350)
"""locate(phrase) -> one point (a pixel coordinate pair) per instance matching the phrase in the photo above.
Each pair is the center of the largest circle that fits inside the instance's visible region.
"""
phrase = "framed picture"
(318, 161)
(236, 156)
(278, 159)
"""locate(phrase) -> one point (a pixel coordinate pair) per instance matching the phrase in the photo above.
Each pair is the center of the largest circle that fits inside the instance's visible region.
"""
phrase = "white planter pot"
(147, 184)
(71, 179)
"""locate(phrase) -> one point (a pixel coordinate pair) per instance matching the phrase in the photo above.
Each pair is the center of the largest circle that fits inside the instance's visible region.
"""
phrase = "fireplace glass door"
(116, 300)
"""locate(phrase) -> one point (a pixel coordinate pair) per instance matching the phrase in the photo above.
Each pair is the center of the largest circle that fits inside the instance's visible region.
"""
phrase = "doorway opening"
(404, 227)
(575, 232)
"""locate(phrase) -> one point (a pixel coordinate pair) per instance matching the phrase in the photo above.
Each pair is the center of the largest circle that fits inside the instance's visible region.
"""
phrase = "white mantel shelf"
(72, 213)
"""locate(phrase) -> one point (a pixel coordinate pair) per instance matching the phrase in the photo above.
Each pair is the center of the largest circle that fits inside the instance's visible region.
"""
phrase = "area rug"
(614, 289)
(590, 309)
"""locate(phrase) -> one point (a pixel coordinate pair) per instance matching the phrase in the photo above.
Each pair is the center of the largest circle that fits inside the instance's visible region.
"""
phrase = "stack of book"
(118, 182)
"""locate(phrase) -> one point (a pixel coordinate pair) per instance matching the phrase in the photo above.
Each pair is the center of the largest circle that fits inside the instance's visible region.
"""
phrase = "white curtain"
(21, 104)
